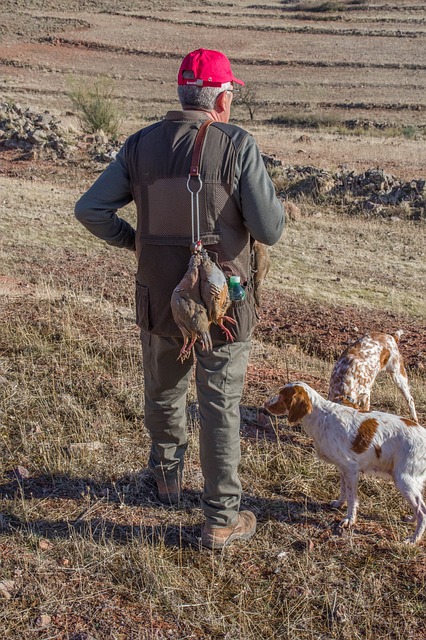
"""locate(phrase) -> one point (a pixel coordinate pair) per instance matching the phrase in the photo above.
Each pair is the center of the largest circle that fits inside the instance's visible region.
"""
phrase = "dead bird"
(189, 311)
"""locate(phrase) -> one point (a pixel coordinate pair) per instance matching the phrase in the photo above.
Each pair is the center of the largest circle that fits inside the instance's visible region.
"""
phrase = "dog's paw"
(411, 540)
(347, 522)
(409, 518)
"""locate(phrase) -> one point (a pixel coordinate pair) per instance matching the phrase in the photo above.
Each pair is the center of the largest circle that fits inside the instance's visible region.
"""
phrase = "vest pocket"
(142, 307)
(244, 312)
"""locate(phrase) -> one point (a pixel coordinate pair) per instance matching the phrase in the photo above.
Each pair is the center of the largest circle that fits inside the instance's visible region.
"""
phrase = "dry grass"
(366, 262)
(84, 542)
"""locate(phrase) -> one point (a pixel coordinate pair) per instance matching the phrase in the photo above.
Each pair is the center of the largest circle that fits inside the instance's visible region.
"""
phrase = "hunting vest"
(158, 159)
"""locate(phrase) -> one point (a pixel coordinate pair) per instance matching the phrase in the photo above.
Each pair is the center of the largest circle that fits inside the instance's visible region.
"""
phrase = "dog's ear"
(286, 395)
(300, 405)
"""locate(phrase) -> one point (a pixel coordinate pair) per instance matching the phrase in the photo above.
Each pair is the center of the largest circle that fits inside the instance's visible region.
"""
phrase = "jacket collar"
(188, 115)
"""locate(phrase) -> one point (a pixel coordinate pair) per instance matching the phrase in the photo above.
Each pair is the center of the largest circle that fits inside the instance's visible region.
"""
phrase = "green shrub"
(409, 132)
(306, 120)
(322, 7)
(95, 105)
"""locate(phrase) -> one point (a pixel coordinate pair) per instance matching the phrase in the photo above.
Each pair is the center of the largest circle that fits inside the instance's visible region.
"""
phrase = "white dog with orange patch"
(376, 443)
(355, 371)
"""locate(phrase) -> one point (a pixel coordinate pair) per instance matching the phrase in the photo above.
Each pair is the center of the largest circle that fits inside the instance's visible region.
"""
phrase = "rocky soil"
(32, 135)
(373, 191)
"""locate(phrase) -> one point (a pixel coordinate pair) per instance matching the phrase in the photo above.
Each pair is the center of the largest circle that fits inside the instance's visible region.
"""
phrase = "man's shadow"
(139, 490)
(142, 494)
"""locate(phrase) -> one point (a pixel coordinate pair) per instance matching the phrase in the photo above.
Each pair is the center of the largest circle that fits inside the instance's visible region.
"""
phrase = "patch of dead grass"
(88, 548)
(340, 260)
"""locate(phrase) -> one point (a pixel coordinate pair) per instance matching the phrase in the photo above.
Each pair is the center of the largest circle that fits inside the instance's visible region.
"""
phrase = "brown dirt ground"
(326, 331)
(285, 319)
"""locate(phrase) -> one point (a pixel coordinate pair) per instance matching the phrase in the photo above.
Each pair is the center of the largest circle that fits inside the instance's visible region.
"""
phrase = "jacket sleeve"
(96, 209)
(263, 213)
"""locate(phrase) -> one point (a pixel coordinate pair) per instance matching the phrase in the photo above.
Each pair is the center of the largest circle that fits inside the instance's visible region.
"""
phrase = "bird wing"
(213, 287)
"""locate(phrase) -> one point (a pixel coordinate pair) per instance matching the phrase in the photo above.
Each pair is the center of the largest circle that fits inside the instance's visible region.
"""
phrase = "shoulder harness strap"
(198, 148)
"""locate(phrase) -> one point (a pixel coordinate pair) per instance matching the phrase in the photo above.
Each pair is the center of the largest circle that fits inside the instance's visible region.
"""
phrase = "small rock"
(271, 160)
(292, 211)
(36, 137)
(43, 620)
(21, 473)
(304, 138)
(263, 420)
(6, 586)
(44, 545)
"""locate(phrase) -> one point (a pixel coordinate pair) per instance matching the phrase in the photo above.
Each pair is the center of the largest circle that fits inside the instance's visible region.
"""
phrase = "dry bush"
(95, 104)
(247, 98)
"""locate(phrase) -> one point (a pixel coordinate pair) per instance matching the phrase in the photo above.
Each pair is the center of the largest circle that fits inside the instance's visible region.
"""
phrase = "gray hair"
(200, 97)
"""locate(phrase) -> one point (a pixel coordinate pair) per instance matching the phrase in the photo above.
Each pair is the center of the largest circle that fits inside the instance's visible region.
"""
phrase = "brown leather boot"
(219, 537)
(168, 490)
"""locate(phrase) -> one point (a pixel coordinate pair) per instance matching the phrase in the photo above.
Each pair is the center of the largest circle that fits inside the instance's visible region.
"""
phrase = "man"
(237, 204)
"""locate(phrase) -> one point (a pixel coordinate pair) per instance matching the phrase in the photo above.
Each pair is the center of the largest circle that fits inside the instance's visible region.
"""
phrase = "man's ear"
(220, 104)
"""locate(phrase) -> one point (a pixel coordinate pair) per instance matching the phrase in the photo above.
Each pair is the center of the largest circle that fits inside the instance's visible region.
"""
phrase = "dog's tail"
(397, 335)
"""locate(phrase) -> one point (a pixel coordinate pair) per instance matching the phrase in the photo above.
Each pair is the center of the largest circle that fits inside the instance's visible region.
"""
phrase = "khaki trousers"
(219, 380)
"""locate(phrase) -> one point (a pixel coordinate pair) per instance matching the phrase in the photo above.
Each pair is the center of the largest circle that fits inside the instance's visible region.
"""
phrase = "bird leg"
(185, 352)
(228, 334)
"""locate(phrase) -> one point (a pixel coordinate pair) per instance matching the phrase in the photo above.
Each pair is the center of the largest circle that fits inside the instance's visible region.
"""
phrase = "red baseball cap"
(209, 69)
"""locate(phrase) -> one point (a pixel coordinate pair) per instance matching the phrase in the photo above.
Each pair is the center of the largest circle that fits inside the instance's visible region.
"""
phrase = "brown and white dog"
(355, 371)
(376, 443)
